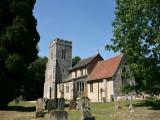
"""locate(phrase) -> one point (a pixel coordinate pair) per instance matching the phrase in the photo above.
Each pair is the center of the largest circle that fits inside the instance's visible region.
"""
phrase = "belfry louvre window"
(63, 54)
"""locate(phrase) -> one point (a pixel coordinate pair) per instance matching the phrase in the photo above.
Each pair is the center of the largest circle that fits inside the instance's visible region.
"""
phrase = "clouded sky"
(87, 23)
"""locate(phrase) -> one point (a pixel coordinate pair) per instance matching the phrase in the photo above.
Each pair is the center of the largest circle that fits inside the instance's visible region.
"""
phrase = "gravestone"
(18, 99)
(46, 102)
(72, 104)
(58, 115)
(61, 104)
(78, 106)
(85, 109)
(40, 107)
(130, 107)
(52, 104)
(117, 105)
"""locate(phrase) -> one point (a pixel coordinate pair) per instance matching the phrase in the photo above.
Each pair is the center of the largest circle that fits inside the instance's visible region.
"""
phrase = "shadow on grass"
(153, 105)
(20, 108)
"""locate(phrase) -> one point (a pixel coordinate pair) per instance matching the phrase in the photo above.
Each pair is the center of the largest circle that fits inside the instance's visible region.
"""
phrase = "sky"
(87, 23)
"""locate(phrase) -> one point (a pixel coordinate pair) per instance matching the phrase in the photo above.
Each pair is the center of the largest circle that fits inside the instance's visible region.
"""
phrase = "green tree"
(33, 87)
(75, 60)
(137, 35)
(18, 46)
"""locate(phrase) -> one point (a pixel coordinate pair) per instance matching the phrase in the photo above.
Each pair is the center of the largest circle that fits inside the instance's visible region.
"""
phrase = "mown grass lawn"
(102, 111)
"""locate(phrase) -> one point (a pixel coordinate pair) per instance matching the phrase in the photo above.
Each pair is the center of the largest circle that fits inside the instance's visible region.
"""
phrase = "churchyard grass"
(102, 111)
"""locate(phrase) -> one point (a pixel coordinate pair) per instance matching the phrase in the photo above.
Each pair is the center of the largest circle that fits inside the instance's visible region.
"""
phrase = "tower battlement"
(61, 42)
(59, 63)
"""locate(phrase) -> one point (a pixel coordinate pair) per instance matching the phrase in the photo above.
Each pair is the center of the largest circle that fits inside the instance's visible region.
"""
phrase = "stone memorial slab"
(61, 104)
(52, 104)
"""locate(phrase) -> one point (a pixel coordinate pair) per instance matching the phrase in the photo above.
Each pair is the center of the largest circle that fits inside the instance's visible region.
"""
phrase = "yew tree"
(18, 46)
(75, 60)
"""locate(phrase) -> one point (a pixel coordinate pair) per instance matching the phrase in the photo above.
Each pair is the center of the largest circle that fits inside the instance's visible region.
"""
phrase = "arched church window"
(63, 54)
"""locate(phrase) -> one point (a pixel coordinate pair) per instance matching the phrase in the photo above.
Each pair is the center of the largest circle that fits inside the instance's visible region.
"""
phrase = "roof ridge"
(120, 55)
(89, 57)
(105, 68)
(86, 61)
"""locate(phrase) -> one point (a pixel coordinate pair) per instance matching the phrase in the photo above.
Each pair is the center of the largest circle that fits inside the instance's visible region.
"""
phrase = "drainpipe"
(98, 90)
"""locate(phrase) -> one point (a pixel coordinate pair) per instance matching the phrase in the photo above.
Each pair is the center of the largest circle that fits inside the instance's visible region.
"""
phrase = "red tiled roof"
(105, 69)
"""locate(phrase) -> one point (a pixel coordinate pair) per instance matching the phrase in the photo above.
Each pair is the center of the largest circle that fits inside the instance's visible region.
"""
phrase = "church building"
(94, 77)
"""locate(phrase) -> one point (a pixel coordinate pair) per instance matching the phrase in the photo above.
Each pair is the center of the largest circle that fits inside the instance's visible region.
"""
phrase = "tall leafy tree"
(75, 60)
(137, 35)
(18, 45)
(33, 87)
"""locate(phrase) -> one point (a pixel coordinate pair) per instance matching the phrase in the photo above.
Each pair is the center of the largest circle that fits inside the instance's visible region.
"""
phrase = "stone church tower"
(59, 62)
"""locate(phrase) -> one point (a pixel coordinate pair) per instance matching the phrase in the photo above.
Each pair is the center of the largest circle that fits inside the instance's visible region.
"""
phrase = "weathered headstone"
(72, 104)
(85, 109)
(61, 104)
(18, 99)
(58, 115)
(46, 102)
(52, 104)
(117, 105)
(86, 114)
(40, 107)
(78, 106)
(130, 107)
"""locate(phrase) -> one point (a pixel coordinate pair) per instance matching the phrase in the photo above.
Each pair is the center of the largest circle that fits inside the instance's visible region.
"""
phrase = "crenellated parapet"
(60, 42)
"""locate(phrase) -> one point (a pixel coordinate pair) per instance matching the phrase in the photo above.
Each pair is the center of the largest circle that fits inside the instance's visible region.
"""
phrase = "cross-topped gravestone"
(85, 109)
